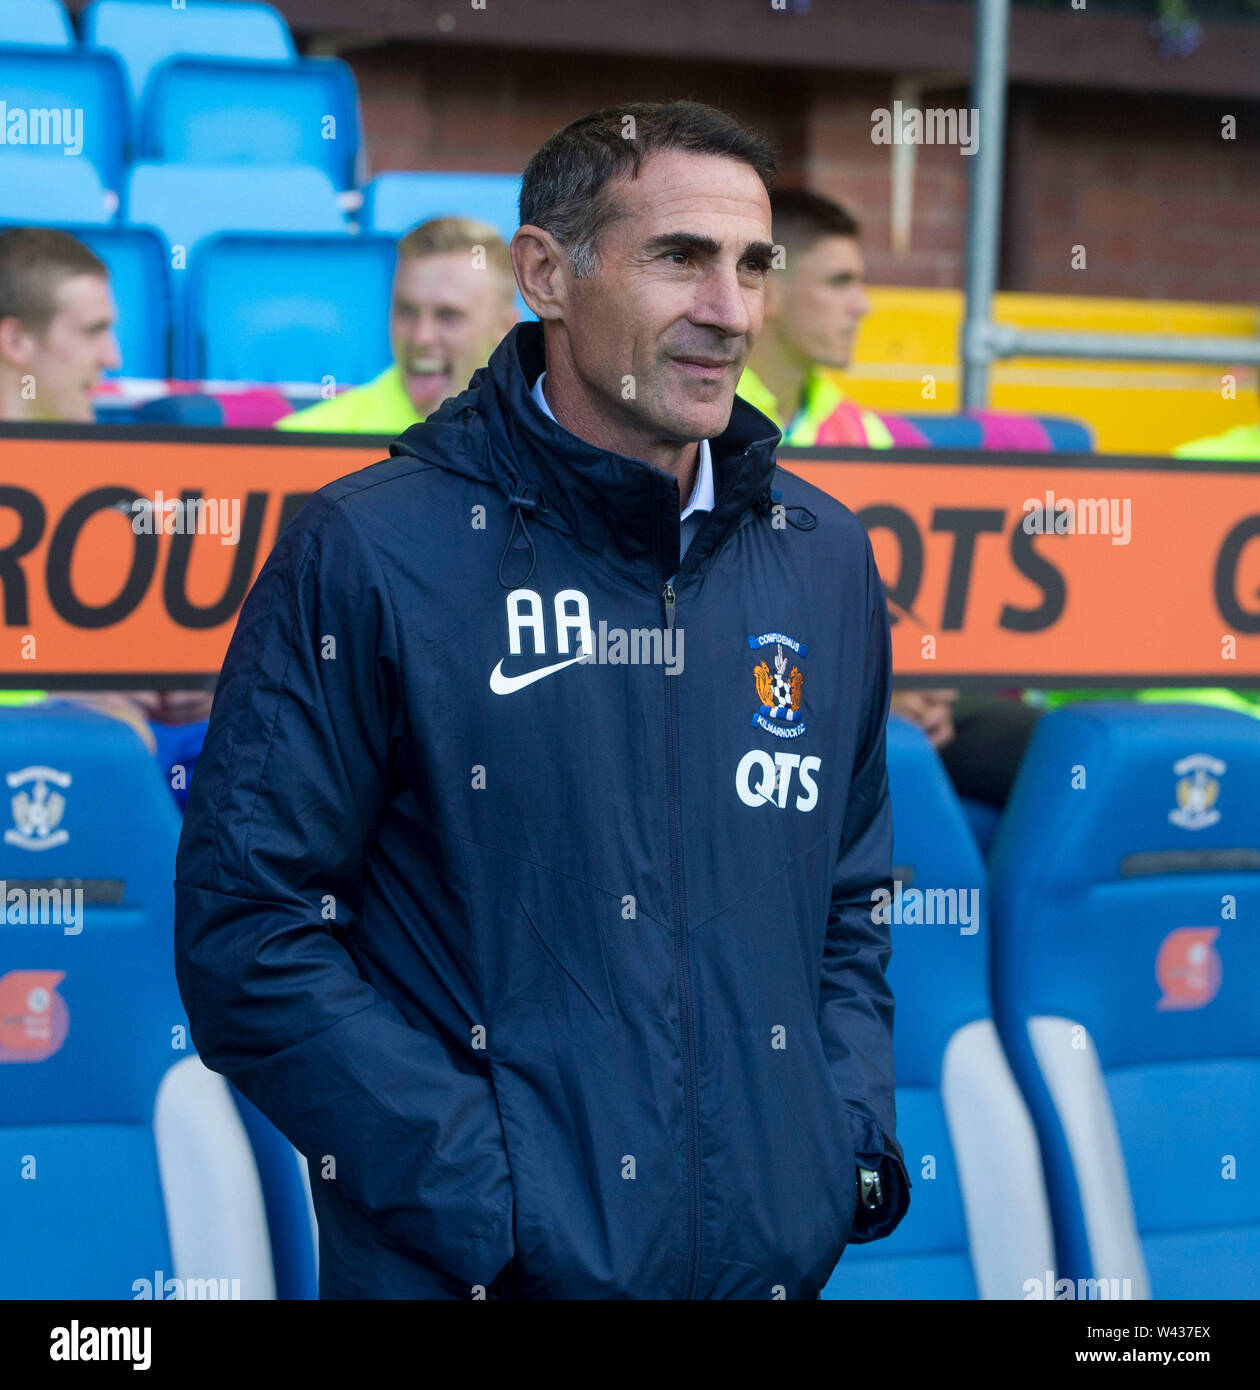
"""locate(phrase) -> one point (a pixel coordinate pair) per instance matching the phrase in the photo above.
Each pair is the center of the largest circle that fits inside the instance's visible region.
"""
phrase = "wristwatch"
(870, 1189)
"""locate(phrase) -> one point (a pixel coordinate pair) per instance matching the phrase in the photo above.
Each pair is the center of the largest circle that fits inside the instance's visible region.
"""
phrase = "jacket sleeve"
(856, 1005)
(296, 769)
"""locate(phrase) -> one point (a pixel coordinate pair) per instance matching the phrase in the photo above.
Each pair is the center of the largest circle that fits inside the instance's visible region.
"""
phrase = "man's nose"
(861, 303)
(111, 355)
(722, 303)
(423, 330)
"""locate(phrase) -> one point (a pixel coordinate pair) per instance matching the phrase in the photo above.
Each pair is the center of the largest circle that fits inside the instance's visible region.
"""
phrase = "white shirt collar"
(702, 495)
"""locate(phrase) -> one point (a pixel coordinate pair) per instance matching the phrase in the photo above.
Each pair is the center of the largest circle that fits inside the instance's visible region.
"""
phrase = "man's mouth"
(705, 368)
(428, 375)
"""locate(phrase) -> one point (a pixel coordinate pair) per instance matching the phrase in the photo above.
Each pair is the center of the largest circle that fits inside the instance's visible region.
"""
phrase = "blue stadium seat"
(1126, 974)
(88, 84)
(121, 1155)
(183, 409)
(146, 32)
(38, 191)
(978, 1221)
(1067, 436)
(273, 308)
(139, 275)
(948, 431)
(188, 202)
(394, 202)
(36, 22)
(211, 111)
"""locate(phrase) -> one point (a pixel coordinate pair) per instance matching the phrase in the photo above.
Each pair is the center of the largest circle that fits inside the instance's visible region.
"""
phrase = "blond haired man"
(453, 299)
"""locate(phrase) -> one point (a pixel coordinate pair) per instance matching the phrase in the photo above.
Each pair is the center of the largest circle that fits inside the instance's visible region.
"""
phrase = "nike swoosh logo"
(506, 685)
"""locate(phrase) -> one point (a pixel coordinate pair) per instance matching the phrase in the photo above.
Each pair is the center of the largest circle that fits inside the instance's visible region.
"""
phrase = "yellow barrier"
(908, 349)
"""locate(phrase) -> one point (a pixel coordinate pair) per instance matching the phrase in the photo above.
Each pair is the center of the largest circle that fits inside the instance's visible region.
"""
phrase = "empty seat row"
(144, 33)
(199, 110)
(187, 200)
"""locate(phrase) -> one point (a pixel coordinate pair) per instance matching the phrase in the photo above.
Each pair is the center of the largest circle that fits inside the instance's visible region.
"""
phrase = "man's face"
(820, 298)
(66, 361)
(446, 318)
(660, 334)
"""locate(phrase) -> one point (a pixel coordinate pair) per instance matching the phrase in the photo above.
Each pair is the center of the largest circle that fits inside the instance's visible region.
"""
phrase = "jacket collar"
(620, 507)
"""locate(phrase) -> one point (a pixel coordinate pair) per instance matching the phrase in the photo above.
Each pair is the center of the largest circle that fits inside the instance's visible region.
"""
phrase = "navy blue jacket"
(568, 986)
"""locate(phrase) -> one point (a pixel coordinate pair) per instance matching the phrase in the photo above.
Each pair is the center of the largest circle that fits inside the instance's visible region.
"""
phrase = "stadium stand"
(1125, 963)
(978, 1220)
(143, 1160)
(273, 308)
(144, 33)
(220, 111)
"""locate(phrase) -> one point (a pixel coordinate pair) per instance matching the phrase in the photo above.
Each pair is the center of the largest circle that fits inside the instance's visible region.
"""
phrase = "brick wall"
(1164, 207)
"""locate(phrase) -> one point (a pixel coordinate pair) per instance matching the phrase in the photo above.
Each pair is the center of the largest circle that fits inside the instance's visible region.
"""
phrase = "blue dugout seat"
(144, 33)
(38, 191)
(978, 1221)
(394, 202)
(122, 1158)
(1126, 974)
(36, 22)
(274, 308)
(189, 202)
(122, 1154)
(213, 111)
(53, 81)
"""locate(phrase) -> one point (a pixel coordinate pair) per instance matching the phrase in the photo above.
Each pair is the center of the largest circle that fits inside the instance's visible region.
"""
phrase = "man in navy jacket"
(526, 881)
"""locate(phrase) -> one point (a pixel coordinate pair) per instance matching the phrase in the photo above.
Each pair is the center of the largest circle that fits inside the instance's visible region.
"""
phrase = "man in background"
(56, 327)
(57, 339)
(453, 299)
(814, 305)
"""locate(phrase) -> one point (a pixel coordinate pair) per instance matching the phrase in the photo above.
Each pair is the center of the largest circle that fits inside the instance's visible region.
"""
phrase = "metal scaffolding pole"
(984, 341)
(984, 216)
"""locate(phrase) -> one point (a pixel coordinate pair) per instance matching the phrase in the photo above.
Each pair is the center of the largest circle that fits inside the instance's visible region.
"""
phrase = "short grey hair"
(565, 190)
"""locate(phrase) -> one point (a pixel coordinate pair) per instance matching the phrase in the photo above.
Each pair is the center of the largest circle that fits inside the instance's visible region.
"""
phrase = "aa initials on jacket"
(567, 986)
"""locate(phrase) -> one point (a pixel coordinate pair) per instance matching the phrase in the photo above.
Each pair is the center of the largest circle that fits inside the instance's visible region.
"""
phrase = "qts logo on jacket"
(1188, 968)
(34, 1019)
(762, 778)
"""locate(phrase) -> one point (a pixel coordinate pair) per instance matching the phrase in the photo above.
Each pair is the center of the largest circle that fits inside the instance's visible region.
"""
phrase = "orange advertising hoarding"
(1000, 569)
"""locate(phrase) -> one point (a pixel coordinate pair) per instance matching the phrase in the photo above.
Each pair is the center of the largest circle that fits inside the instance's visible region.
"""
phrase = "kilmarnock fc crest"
(779, 691)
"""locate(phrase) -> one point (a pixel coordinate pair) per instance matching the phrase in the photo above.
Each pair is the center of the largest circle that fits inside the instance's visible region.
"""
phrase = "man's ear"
(15, 342)
(539, 263)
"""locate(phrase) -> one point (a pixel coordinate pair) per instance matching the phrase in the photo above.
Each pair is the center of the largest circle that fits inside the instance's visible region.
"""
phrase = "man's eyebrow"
(694, 241)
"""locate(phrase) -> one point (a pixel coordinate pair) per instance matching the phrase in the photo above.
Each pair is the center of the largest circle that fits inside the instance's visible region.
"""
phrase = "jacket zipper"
(682, 967)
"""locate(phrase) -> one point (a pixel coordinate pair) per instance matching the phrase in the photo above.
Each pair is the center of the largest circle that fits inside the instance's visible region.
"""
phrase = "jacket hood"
(621, 507)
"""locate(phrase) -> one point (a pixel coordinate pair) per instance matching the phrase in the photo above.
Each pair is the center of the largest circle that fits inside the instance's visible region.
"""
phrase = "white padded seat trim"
(1075, 1080)
(215, 1212)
